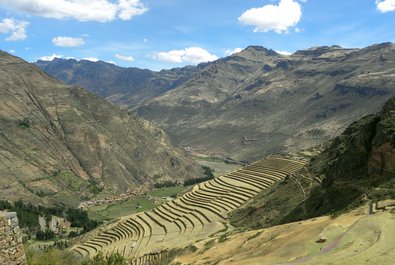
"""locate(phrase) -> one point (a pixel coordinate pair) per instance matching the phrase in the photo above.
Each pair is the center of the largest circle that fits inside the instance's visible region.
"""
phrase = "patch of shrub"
(166, 184)
(25, 123)
(45, 235)
(208, 174)
(51, 256)
(100, 259)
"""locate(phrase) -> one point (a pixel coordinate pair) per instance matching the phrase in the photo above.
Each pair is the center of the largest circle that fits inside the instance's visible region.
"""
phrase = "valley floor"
(352, 238)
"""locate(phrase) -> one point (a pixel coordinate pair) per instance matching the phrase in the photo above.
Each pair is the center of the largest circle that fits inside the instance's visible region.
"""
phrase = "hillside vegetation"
(61, 144)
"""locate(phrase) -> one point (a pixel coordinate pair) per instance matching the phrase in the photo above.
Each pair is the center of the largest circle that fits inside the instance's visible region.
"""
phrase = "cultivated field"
(193, 216)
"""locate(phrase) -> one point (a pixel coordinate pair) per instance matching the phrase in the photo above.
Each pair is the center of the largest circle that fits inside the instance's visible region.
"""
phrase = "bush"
(51, 257)
(45, 235)
(208, 174)
(79, 218)
(100, 259)
(25, 123)
(166, 184)
(73, 234)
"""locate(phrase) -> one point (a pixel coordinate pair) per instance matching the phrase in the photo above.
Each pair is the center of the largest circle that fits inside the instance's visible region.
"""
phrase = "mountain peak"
(256, 48)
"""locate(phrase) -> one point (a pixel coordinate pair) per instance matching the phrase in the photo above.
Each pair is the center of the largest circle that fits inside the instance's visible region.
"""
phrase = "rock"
(321, 239)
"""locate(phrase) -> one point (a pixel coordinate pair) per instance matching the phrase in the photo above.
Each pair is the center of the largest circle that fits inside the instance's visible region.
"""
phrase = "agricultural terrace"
(188, 218)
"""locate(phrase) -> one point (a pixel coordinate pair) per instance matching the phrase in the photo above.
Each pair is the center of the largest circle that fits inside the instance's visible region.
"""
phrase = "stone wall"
(12, 251)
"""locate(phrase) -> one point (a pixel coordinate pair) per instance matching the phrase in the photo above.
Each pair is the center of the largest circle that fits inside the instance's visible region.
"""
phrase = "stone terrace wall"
(12, 251)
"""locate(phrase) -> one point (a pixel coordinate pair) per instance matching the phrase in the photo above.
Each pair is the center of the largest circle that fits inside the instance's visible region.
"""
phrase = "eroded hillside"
(62, 144)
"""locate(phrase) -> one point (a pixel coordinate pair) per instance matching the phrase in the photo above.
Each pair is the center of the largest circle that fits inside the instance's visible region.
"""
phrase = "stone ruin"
(12, 251)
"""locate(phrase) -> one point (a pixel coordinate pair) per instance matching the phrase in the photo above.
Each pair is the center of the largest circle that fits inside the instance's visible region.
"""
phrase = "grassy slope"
(352, 238)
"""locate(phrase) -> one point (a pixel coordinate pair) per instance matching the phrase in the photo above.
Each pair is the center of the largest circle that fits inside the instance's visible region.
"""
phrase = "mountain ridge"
(258, 102)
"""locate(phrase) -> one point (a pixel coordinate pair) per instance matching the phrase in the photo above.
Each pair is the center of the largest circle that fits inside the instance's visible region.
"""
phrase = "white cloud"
(68, 41)
(127, 58)
(145, 40)
(130, 8)
(273, 17)
(385, 5)
(92, 59)
(284, 52)
(230, 52)
(12, 51)
(187, 55)
(15, 29)
(50, 57)
(82, 10)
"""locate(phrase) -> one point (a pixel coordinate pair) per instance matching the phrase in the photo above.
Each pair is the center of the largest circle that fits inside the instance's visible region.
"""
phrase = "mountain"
(125, 86)
(354, 168)
(62, 144)
(258, 102)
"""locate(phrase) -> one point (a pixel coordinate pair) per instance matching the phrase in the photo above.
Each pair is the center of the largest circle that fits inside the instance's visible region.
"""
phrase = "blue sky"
(158, 34)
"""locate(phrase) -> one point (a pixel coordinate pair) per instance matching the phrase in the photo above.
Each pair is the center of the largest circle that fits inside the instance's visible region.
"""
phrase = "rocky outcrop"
(12, 251)
(382, 157)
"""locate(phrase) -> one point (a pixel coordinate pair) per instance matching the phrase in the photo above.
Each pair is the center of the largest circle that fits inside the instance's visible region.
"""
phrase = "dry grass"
(352, 238)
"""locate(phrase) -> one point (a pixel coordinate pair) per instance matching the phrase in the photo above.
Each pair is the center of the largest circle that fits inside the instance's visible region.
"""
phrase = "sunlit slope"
(352, 238)
(62, 144)
(193, 216)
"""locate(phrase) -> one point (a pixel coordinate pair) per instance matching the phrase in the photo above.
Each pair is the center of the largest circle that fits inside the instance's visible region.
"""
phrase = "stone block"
(11, 215)
(17, 230)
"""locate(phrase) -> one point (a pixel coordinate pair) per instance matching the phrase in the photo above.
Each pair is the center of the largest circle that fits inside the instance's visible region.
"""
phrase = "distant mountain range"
(63, 144)
(252, 103)
(125, 86)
